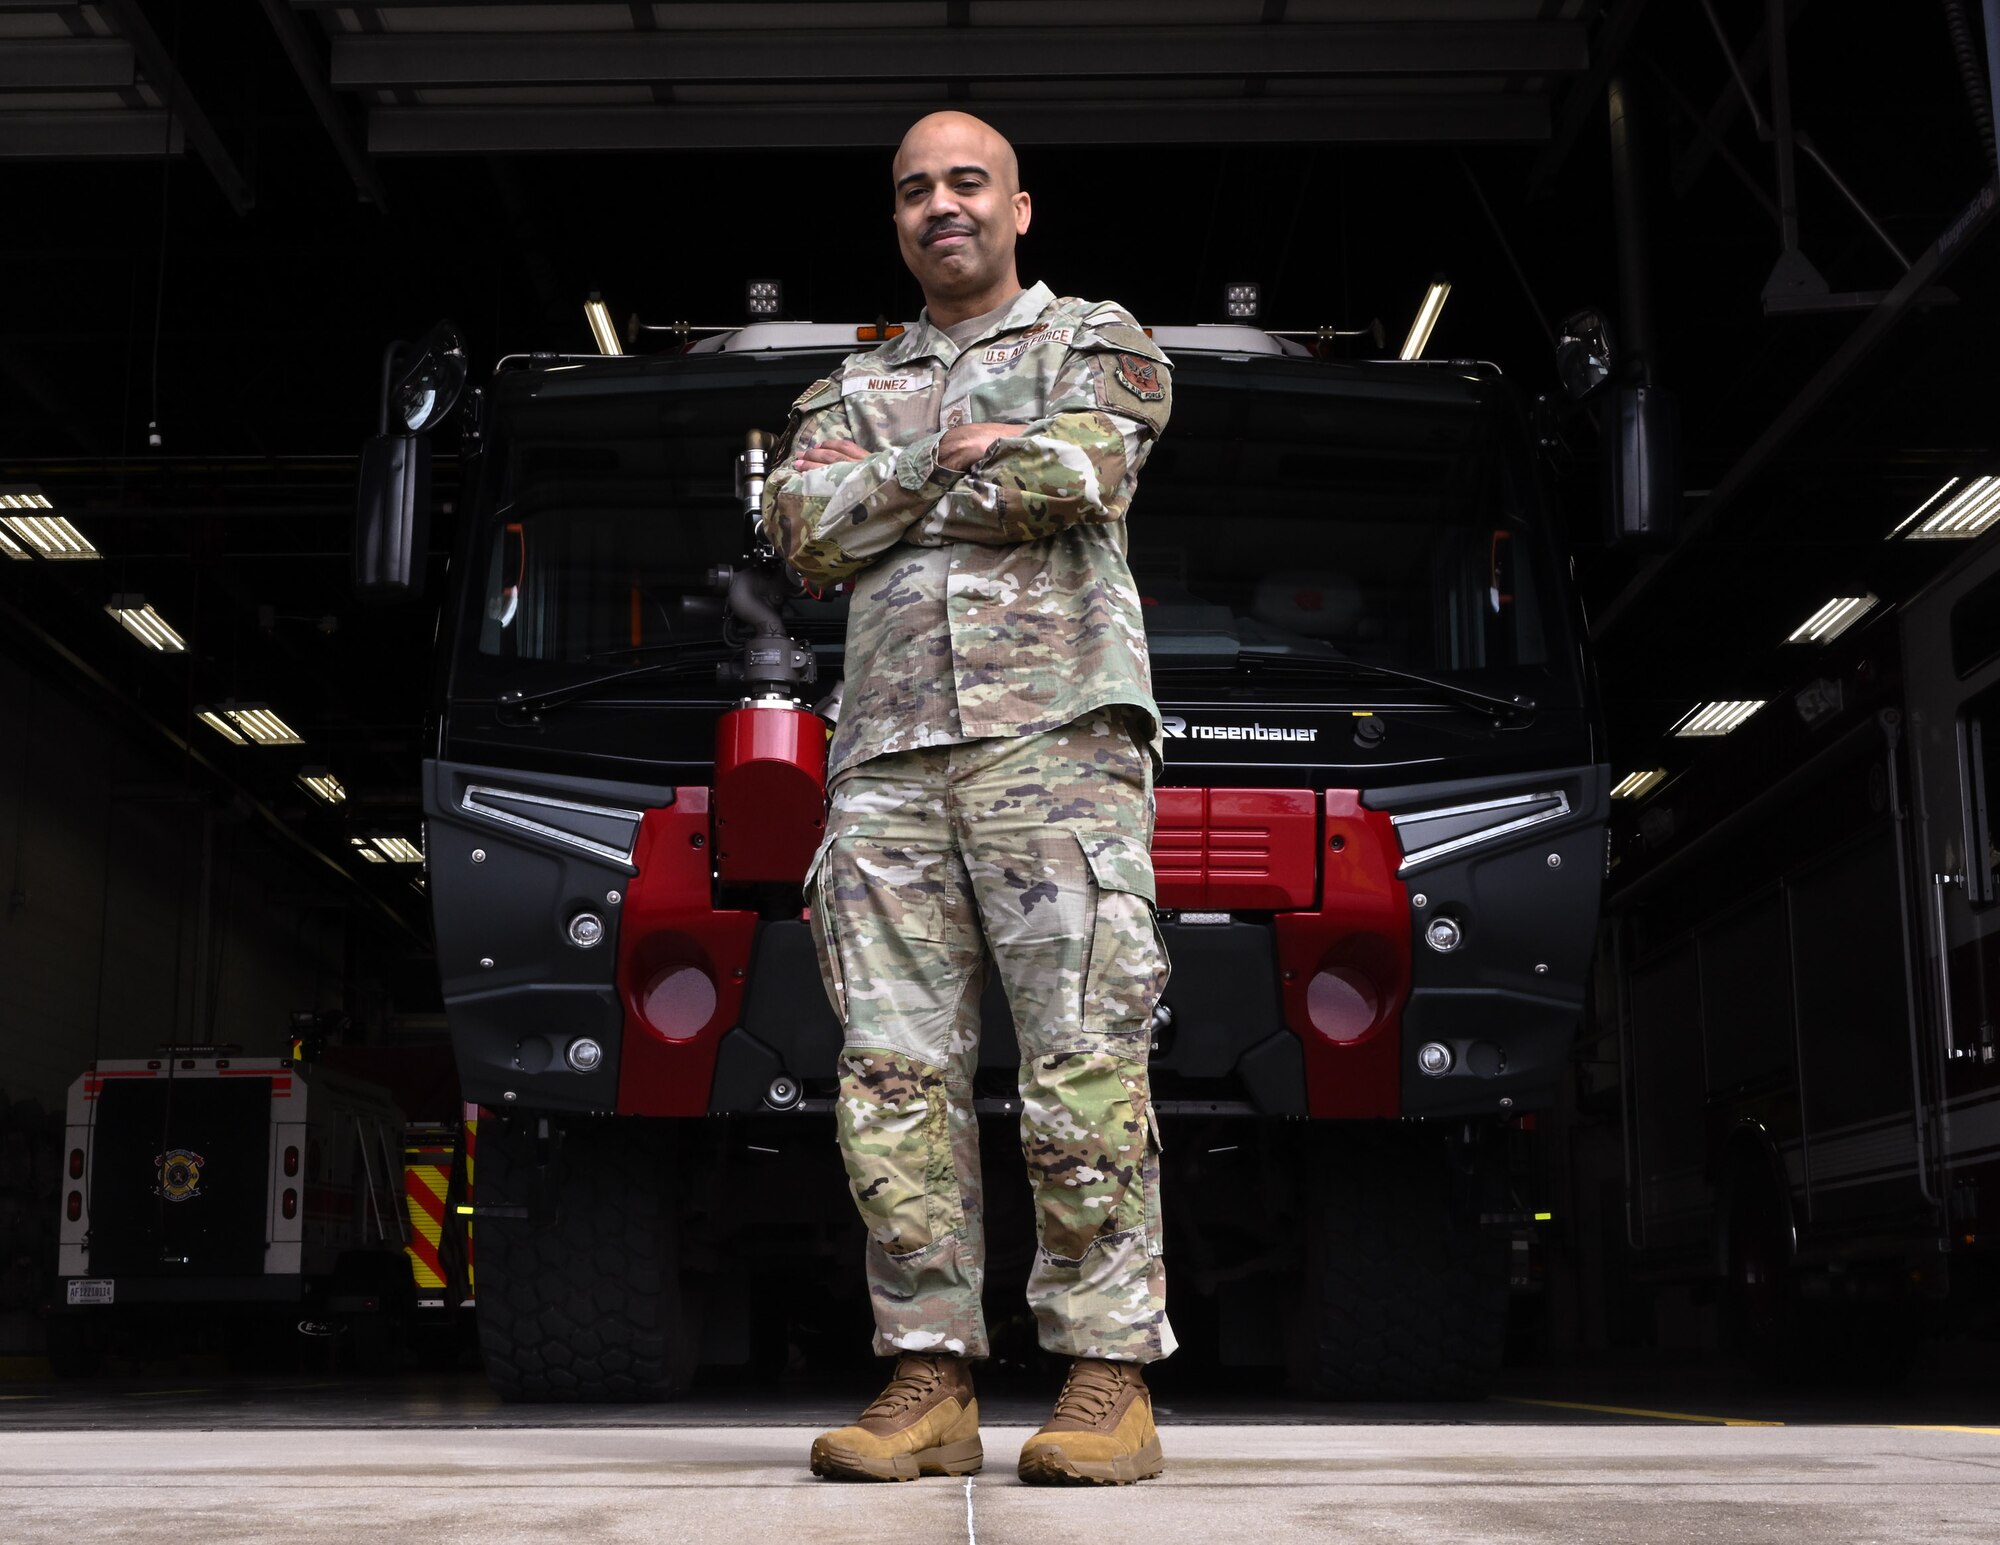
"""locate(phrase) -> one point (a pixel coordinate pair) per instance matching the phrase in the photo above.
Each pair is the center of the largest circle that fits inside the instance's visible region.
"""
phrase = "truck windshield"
(1292, 512)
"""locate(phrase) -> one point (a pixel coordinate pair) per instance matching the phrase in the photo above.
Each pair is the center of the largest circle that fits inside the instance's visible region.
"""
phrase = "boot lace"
(1090, 1392)
(912, 1384)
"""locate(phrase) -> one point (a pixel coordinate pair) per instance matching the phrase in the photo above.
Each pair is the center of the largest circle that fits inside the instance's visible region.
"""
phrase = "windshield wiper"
(1258, 661)
(555, 697)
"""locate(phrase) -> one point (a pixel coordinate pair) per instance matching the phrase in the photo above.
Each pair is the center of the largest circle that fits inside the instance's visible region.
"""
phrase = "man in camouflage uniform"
(991, 791)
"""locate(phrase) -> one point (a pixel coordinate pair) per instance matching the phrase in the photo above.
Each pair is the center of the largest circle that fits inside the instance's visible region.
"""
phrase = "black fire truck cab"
(1379, 848)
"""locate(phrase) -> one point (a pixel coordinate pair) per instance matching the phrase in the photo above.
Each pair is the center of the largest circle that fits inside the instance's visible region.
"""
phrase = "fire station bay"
(930, 770)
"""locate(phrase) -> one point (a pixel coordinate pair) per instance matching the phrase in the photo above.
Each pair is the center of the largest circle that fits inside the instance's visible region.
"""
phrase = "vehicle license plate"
(98, 1292)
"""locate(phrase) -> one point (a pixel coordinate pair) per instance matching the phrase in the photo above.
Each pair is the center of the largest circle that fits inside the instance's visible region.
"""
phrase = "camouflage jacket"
(996, 601)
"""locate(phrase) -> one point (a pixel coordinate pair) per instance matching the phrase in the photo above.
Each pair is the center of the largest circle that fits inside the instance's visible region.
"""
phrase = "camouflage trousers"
(1036, 850)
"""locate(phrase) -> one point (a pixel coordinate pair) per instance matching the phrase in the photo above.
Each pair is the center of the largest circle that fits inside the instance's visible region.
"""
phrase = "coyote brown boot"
(925, 1423)
(1102, 1431)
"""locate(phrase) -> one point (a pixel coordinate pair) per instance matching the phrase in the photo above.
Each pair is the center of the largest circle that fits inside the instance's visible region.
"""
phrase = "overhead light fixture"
(398, 850)
(26, 511)
(248, 723)
(366, 849)
(1967, 513)
(763, 299)
(1427, 319)
(1637, 785)
(1833, 619)
(1712, 719)
(1242, 302)
(322, 785)
(598, 315)
(1949, 484)
(145, 624)
(9, 548)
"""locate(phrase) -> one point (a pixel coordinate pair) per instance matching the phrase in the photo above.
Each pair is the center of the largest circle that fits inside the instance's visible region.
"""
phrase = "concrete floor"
(182, 1455)
(1575, 1477)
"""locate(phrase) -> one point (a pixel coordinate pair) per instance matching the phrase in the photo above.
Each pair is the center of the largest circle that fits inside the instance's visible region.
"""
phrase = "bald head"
(959, 211)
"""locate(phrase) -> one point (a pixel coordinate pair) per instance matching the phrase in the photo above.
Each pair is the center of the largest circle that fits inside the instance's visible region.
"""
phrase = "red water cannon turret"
(770, 752)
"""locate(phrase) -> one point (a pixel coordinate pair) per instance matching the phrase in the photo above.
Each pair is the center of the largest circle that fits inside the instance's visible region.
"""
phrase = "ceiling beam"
(66, 64)
(1914, 287)
(1579, 108)
(1753, 61)
(114, 134)
(160, 69)
(793, 125)
(386, 61)
(326, 107)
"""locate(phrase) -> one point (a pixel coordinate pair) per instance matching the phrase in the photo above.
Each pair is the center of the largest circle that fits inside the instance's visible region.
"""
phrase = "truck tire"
(581, 1300)
(1404, 1299)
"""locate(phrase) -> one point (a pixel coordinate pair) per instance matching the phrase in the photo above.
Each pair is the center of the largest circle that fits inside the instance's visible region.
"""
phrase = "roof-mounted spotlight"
(139, 619)
(1427, 318)
(598, 315)
(764, 299)
(1242, 302)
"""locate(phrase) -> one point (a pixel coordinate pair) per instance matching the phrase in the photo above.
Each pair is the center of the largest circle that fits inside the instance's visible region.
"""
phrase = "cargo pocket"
(825, 934)
(1156, 1242)
(1126, 967)
(894, 1123)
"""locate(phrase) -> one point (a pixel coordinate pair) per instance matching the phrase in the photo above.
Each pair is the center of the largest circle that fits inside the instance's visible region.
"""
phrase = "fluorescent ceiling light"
(322, 785)
(399, 850)
(51, 536)
(1709, 719)
(361, 846)
(1949, 484)
(10, 548)
(221, 726)
(1833, 619)
(1637, 785)
(1969, 511)
(145, 624)
(598, 315)
(23, 496)
(246, 722)
(1427, 318)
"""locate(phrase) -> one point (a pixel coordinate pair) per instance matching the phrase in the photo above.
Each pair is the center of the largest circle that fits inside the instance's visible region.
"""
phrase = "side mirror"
(1584, 355)
(1642, 463)
(392, 509)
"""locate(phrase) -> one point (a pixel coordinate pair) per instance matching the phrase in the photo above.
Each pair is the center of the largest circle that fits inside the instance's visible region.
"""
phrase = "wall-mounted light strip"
(1711, 719)
(1833, 619)
(1637, 785)
(139, 619)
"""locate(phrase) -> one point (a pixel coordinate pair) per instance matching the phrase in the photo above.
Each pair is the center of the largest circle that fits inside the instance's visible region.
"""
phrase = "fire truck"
(1379, 851)
(1802, 939)
(200, 1178)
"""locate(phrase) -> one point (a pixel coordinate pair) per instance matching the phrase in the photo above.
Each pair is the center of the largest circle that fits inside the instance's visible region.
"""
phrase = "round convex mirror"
(431, 386)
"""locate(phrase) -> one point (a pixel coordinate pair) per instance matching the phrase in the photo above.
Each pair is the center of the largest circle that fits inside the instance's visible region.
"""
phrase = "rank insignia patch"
(180, 1175)
(1141, 377)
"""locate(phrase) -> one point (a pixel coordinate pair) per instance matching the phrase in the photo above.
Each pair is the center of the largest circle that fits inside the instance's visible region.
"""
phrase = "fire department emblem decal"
(1141, 377)
(180, 1174)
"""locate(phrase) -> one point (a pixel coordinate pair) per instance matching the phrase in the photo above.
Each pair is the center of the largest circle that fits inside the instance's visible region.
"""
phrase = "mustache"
(946, 227)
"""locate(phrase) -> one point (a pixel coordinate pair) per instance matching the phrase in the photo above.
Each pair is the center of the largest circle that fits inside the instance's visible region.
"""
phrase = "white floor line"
(971, 1535)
